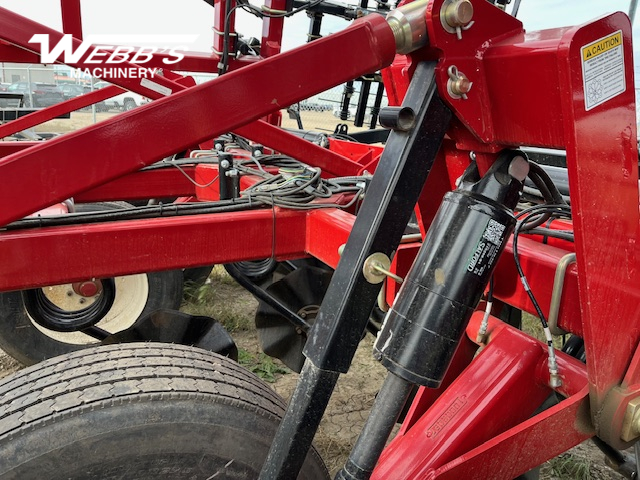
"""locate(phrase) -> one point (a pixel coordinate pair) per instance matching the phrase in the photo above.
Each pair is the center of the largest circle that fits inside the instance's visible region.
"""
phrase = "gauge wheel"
(139, 410)
(112, 304)
(24, 315)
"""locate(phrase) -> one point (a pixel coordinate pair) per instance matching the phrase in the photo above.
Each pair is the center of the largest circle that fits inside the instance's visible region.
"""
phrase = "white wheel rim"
(132, 292)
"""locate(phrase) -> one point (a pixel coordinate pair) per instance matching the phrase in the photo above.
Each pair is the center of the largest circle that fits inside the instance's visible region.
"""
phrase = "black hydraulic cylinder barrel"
(451, 271)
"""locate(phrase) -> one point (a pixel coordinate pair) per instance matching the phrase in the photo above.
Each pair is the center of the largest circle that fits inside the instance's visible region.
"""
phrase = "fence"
(354, 105)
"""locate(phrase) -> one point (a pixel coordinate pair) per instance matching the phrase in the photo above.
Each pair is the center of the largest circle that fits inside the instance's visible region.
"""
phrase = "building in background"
(20, 72)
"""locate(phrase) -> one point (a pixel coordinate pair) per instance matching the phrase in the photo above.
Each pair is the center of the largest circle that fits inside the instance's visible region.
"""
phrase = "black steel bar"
(315, 25)
(365, 86)
(345, 310)
(375, 110)
(385, 412)
(261, 294)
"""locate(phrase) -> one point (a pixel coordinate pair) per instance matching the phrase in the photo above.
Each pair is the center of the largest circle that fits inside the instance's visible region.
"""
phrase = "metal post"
(345, 310)
(93, 106)
(633, 6)
(31, 105)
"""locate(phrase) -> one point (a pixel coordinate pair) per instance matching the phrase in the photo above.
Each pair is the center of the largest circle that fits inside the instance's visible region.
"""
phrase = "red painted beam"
(158, 183)
(50, 256)
(149, 133)
(71, 17)
(7, 148)
(481, 426)
(49, 113)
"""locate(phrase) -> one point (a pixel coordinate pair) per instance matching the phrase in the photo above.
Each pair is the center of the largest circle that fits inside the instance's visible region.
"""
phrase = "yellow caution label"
(601, 46)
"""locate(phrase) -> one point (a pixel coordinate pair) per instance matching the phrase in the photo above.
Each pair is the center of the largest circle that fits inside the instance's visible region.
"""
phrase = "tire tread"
(118, 374)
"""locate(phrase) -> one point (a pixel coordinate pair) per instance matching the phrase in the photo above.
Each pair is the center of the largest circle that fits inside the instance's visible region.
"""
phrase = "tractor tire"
(139, 411)
(135, 296)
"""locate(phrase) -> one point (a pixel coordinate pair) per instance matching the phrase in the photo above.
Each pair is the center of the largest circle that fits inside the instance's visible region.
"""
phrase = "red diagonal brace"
(289, 144)
(72, 163)
(46, 114)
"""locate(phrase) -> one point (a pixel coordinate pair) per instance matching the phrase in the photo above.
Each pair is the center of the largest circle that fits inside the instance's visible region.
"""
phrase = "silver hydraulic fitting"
(409, 26)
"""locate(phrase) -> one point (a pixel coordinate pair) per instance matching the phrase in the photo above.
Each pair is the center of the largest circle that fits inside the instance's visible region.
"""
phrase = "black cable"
(224, 61)
(297, 186)
(252, 9)
(529, 221)
(137, 213)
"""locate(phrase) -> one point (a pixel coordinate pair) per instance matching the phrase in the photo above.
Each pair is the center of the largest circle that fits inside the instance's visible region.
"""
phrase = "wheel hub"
(89, 288)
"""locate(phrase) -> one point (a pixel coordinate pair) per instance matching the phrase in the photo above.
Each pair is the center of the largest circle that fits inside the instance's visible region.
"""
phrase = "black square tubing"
(394, 190)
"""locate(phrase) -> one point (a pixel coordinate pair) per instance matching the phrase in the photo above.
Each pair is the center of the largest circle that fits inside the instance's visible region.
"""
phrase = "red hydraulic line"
(187, 118)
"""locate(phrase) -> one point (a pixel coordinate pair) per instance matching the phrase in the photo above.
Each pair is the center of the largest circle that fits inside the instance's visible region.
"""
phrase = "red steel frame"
(480, 423)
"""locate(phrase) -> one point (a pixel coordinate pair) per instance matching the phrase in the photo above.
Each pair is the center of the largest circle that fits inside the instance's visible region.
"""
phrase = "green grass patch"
(570, 467)
(262, 365)
(220, 297)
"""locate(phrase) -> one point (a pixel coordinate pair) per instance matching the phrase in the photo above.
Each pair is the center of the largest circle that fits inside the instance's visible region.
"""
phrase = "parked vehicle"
(37, 94)
(72, 90)
(123, 102)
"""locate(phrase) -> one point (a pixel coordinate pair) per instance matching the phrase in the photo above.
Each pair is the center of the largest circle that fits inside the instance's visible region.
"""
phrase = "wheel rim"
(67, 310)
(131, 293)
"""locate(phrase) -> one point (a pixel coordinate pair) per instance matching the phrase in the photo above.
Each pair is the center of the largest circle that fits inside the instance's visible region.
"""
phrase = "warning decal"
(603, 70)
